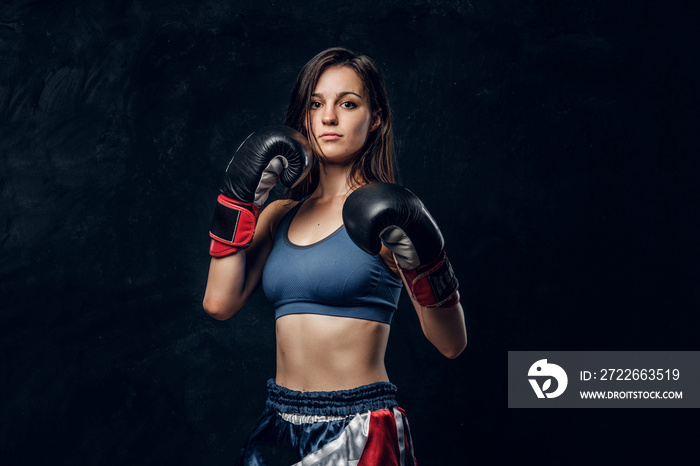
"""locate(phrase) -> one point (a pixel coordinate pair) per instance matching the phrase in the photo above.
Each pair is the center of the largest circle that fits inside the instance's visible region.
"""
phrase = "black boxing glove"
(266, 155)
(387, 212)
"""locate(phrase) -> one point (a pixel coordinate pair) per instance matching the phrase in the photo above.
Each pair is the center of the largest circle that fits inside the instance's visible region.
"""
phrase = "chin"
(331, 154)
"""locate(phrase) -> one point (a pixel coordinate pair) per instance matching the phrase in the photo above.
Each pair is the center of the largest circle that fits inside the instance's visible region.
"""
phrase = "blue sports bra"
(331, 277)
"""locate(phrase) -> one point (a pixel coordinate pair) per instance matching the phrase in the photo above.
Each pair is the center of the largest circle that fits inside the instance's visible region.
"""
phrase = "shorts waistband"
(379, 395)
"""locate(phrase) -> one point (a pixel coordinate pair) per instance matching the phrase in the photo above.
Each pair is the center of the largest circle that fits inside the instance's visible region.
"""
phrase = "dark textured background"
(554, 142)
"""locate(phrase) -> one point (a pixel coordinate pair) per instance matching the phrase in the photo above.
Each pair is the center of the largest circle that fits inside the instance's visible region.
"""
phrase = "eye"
(348, 105)
(314, 105)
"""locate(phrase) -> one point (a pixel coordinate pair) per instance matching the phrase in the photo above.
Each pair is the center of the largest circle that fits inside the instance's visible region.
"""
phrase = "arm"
(387, 219)
(443, 326)
(240, 241)
(233, 278)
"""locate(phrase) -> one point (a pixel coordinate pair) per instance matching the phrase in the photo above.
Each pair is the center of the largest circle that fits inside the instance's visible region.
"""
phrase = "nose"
(329, 117)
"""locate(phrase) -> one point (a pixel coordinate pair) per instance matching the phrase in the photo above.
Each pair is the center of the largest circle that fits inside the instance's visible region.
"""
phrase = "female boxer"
(332, 260)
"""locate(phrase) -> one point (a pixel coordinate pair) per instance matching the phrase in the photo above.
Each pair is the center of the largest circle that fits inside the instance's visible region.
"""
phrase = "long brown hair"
(376, 162)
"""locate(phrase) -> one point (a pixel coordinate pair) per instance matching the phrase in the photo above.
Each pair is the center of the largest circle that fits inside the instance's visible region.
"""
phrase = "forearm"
(225, 293)
(234, 278)
(444, 327)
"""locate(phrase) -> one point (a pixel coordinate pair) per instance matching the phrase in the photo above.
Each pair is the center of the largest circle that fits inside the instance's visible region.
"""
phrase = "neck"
(334, 181)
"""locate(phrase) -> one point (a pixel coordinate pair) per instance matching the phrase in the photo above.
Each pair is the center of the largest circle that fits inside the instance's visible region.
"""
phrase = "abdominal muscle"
(326, 353)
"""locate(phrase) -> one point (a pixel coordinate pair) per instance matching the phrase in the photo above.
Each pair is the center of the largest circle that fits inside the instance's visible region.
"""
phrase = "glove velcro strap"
(433, 284)
(232, 226)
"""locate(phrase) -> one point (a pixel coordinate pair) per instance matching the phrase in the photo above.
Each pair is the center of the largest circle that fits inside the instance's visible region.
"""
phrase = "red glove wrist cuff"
(233, 226)
(433, 284)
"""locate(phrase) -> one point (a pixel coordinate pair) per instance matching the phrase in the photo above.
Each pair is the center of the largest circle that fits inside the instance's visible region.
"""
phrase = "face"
(340, 115)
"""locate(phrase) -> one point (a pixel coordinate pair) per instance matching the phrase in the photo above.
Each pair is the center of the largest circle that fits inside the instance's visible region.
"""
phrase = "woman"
(331, 401)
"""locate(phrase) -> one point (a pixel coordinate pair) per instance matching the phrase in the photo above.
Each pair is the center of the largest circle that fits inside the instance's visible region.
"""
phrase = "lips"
(329, 136)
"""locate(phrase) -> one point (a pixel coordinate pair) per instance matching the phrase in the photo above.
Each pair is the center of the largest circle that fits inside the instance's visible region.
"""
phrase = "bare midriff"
(326, 353)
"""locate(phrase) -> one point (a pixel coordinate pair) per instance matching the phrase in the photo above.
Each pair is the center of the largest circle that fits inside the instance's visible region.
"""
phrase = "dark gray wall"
(554, 142)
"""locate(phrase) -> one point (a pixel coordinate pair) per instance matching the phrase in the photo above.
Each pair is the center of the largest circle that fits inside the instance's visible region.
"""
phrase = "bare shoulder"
(274, 212)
